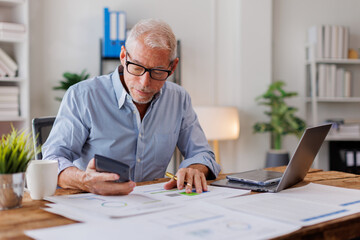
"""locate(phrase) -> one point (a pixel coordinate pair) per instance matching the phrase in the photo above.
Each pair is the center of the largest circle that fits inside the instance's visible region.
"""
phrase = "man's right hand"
(92, 181)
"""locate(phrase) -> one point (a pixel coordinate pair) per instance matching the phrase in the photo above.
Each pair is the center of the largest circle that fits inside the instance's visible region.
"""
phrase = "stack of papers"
(302, 206)
(220, 213)
(144, 199)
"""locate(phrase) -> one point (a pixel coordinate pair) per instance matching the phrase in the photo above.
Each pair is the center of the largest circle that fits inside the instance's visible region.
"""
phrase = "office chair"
(41, 128)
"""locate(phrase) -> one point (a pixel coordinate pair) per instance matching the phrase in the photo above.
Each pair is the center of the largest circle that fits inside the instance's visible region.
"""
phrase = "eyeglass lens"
(154, 73)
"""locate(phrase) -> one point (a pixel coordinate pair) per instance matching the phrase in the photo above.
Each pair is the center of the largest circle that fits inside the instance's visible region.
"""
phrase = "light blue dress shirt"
(98, 116)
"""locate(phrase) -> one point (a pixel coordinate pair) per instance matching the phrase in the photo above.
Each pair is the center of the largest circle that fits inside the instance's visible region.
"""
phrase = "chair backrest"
(41, 128)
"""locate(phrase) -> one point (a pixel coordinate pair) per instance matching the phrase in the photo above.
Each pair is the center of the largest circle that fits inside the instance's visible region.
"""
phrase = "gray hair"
(158, 34)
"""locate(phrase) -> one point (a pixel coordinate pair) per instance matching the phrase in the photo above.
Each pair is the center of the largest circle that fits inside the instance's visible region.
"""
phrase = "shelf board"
(342, 138)
(336, 99)
(335, 61)
(11, 79)
(10, 3)
(12, 119)
(12, 40)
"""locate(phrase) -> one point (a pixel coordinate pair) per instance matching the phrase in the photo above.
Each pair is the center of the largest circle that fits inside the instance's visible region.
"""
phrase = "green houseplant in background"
(282, 122)
(71, 79)
(16, 151)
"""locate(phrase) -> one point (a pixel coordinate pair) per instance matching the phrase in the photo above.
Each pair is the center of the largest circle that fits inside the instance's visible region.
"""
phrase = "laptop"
(299, 165)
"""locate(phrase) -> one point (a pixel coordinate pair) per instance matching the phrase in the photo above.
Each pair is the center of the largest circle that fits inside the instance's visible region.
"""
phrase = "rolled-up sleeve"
(192, 142)
(69, 131)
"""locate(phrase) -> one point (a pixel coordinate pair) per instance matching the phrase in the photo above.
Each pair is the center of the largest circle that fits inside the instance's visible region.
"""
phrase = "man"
(134, 116)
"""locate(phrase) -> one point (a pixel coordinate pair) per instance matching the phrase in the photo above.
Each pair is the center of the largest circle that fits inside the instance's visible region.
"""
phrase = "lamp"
(218, 123)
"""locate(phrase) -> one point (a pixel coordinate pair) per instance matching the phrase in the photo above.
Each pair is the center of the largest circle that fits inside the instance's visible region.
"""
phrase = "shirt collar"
(120, 91)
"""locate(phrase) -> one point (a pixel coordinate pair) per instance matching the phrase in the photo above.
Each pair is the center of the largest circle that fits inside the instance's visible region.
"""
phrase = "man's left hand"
(194, 175)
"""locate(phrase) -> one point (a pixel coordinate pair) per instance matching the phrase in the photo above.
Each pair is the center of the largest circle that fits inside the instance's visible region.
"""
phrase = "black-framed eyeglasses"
(138, 70)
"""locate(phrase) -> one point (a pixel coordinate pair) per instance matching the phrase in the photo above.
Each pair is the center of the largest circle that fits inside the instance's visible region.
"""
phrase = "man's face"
(143, 88)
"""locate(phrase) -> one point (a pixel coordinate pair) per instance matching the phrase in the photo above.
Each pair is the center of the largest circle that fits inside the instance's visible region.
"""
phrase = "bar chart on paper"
(157, 191)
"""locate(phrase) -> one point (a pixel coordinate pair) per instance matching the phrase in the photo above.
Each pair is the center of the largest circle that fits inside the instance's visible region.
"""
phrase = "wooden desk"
(14, 222)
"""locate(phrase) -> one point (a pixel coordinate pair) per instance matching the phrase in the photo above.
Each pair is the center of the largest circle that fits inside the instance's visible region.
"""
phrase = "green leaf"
(70, 79)
(282, 117)
(16, 150)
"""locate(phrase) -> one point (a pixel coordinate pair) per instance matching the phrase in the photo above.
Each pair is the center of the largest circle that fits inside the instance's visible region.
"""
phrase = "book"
(352, 121)
(332, 80)
(316, 39)
(347, 84)
(9, 105)
(16, 36)
(5, 98)
(9, 113)
(328, 80)
(340, 82)
(2, 72)
(344, 130)
(6, 69)
(11, 90)
(334, 41)
(8, 61)
(340, 46)
(346, 43)
(12, 27)
(327, 41)
(322, 80)
(349, 129)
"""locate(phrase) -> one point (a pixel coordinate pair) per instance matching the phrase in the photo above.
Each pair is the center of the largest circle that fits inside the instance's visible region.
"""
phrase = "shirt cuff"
(63, 163)
(204, 160)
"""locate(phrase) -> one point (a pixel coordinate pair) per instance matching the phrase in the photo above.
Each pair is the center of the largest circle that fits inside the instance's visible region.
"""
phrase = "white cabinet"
(16, 11)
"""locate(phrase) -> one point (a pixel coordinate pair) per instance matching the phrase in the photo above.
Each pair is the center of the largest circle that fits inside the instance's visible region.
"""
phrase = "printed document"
(290, 206)
(198, 220)
(143, 199)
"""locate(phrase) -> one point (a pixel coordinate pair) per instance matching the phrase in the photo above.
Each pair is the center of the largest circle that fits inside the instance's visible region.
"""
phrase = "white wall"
(243, 73)
(291, 19)
(226, 55)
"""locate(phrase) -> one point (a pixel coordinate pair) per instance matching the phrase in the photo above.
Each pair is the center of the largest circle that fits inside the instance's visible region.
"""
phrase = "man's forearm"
(71, 178)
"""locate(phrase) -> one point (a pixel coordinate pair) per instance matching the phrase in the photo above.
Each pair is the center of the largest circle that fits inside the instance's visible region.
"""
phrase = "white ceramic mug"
(41, 178)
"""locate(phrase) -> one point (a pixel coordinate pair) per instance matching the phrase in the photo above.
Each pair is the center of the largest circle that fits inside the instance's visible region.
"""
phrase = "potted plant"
(282, 122)
(16, 150)
(71, 79)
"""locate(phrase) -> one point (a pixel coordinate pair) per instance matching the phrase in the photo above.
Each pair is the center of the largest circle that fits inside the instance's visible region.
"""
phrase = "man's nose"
(145, 79)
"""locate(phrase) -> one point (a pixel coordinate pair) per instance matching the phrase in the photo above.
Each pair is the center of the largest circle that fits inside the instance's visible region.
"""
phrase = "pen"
(172, 176)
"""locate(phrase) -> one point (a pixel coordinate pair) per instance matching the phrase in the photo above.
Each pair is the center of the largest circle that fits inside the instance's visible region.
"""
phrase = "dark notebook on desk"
(297, 168)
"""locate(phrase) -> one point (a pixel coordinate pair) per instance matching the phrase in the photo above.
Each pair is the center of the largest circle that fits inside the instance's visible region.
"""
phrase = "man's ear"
(174, 65)
(122, 55)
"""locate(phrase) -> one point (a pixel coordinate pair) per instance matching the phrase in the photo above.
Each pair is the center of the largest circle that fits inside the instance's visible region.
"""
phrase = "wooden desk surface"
(14, 222)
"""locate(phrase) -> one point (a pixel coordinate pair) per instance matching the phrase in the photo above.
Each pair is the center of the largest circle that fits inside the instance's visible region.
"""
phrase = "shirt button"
(134, 111)
(140, 135)
(138, 160)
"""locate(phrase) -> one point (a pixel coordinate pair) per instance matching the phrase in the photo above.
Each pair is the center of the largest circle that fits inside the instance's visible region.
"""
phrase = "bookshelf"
(320, 108)
(316, 102)
(17, 47)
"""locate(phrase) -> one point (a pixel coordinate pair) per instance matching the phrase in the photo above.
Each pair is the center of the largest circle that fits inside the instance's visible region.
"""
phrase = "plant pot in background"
(11, 190)
(275, 158)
